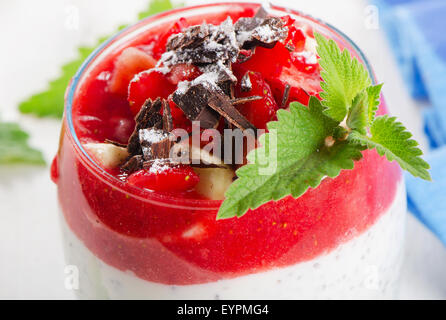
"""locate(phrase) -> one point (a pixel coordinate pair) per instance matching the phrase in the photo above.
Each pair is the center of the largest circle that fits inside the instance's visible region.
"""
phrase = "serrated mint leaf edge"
(418, 169)
(373, 96)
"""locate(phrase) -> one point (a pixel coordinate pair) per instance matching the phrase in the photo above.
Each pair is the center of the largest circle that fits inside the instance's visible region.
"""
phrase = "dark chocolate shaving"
(167, 117)
(194, 103)
(169, 162)
(135, 163)
(286, 94)
(228, 125)
(148, 117)
(259, 31)
(242, 100)
(269, 32)
(246, 25)
(155, 143)
(203, 44)
(228, 88)
(222, 104)
(115, 143)
(192, 37)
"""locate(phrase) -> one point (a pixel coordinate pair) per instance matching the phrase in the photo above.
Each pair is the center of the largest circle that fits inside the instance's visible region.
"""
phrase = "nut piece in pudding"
(213, 181)
(109, 155)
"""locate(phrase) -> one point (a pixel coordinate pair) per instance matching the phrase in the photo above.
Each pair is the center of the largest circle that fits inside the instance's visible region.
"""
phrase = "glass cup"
(343, 239)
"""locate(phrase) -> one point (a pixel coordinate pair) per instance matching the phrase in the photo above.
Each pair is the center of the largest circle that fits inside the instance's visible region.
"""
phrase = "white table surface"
(38, 36)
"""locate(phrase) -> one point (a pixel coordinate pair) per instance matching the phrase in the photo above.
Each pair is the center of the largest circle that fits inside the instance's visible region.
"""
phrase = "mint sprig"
(307, 144)
(302, 156)
(14, 147)
(50, 102)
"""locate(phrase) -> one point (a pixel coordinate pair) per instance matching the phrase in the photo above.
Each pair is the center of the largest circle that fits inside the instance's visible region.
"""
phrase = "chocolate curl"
(167, 117)
(223, 106)
(286, 94)
(194, 103)
(147, 117)
(242, 100)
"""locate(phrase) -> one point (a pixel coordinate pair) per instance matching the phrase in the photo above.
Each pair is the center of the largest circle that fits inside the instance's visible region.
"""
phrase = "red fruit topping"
(148, 84)
(164, 178)
(302, 85)
(296, 36)
(130, 62)
(304, 61)
(182, 72)
(258, 112)
(179, 118)
(269, 62)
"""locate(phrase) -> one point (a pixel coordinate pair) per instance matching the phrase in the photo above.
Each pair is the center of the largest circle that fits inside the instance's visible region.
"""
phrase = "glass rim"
(187, 203)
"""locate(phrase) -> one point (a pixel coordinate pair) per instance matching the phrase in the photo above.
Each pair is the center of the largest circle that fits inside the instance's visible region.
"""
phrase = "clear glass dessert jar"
(341, 240)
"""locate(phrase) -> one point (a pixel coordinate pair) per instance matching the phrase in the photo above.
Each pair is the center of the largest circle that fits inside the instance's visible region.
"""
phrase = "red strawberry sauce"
(175, 239)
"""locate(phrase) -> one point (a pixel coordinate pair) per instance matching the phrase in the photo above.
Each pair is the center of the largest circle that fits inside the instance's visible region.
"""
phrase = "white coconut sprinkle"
(158, 166)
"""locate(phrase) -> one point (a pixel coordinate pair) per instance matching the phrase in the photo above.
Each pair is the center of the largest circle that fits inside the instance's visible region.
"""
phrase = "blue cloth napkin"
(417, 33)
(427, 200)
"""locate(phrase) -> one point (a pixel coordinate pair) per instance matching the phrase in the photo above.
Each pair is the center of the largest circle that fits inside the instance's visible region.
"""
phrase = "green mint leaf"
(373, 93)
(343, 78)
(357, 118)
(157, 6)
(14, 146)
(390, 138)
(50, 103)
(296, 152)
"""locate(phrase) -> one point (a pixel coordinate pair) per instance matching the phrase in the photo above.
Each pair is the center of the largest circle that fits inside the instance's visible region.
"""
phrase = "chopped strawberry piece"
(179, 118)
(269, 62)
(130, 62)
(258, 112)
(302, 85)
(165, 179)
(182, 72)
(148, 84)
(296, 36)
(305, 61)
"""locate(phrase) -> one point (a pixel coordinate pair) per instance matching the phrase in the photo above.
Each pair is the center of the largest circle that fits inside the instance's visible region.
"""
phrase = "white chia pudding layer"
(365, 267)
